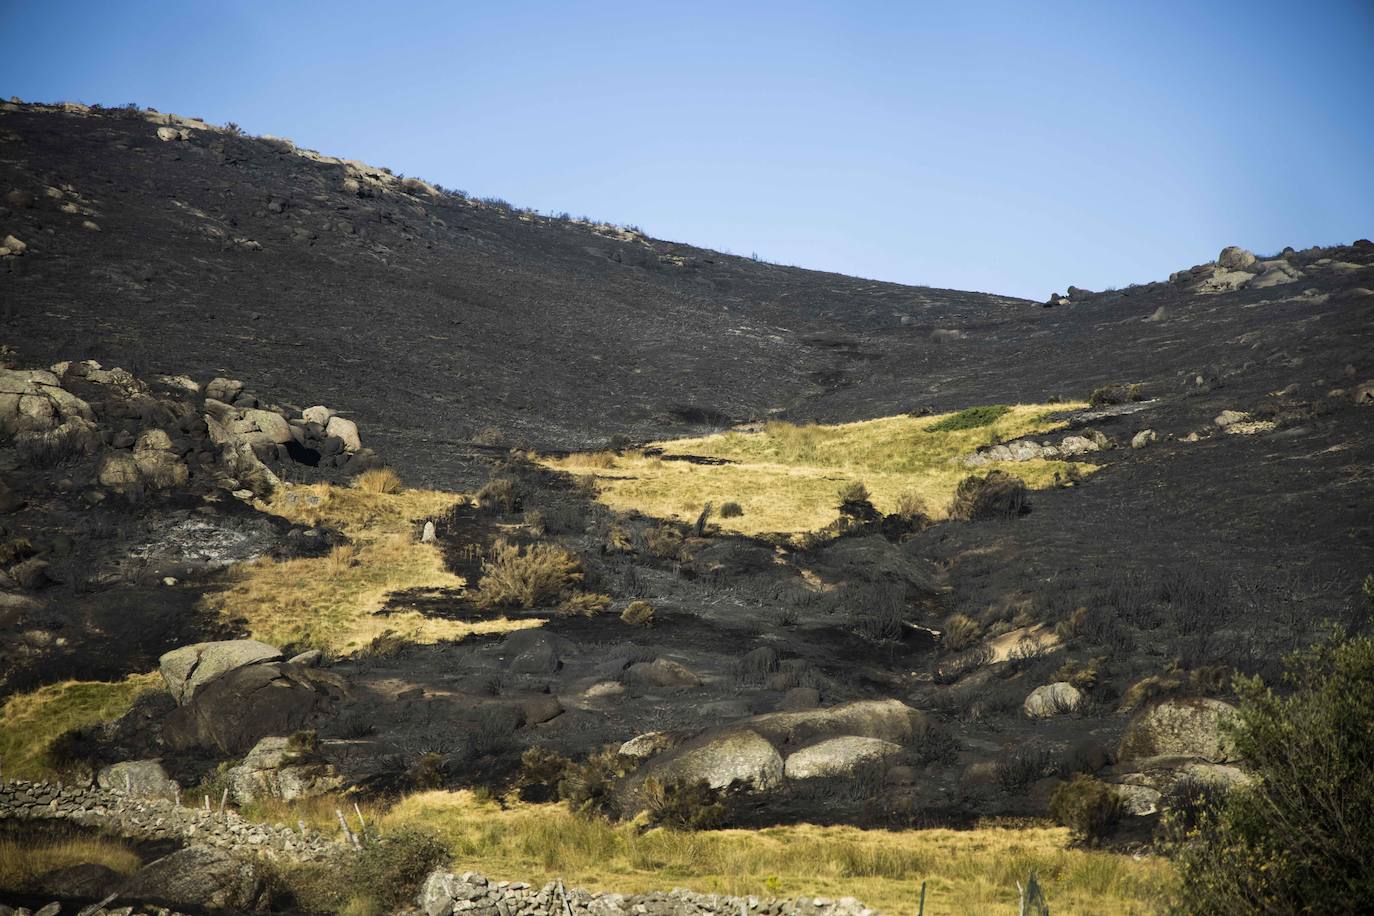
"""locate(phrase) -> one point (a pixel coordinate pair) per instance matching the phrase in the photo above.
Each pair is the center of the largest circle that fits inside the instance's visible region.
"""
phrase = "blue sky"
(1013, 147)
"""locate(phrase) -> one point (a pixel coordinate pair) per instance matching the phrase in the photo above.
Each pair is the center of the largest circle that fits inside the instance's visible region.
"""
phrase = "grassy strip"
(785, 477)
(23, 860)
(332, 602)
(967, 871)
(31, 722)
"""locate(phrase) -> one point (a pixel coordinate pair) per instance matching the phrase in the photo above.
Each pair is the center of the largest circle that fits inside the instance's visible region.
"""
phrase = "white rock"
(346, 430)
(1144, 438)
(1052, 699)
(317, 414)
(837, 756)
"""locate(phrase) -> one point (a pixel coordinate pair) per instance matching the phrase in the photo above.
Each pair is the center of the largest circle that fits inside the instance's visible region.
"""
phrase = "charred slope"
(427, 316)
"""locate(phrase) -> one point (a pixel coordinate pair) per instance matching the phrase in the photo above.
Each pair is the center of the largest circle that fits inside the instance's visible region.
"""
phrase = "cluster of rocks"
(55, 908)
(763, 751)
(160, 436)
(1028, 449)
(1235, 268)
(127, 812)
(446, 893)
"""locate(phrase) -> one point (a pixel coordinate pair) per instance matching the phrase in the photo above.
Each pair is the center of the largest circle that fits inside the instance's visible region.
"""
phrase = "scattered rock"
(1144, 438)
(1229, 417)
(1052, 700)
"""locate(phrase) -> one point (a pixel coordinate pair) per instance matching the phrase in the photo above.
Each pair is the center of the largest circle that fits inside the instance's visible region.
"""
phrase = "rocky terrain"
(177, 301)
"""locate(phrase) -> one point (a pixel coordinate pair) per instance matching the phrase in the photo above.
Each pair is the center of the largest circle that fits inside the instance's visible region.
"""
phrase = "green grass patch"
(971, 418)
(31, 722)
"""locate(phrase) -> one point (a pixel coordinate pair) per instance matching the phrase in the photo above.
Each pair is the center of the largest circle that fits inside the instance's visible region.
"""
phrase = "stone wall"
(125, 814)
(471, 894)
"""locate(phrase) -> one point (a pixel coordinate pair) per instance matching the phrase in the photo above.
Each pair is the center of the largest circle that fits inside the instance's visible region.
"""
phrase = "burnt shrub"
(856, 504)
(499, 495)
(589, 787)
(951, 669)
(540, 772)
(756, 665)
(877, 610)
(994, 495)
(960, 632)
(683, 805)
(1087, 806)
(1017, 768)
(731, 509)
(1190, 801)
(1111, 395)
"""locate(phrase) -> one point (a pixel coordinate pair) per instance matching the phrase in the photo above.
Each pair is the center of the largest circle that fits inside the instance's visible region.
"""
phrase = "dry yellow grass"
(23, 861)
(970, 871)
(378, 480)
(30, 722)
(786, 477)
(332, 601)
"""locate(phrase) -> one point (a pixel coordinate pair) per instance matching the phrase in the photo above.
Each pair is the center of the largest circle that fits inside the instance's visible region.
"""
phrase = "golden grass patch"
(967, 871)
(23, 861)
(331, 602)
(31, 722)
(786, 477)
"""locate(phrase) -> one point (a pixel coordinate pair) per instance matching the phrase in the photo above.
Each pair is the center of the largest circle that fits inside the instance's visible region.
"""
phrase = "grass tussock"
(789, 473)
(331, 602)
(378, 480)
(23, 860)
(534, 576)
(31, 722)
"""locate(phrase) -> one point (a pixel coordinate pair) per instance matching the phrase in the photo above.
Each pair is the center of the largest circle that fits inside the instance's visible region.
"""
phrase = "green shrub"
(970, 418)
(391, 867)
(536, 576)
(1087, 806)
(1297, 838)
(638, 614)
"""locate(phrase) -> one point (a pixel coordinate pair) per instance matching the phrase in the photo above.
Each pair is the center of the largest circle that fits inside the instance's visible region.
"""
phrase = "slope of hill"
(839, 660)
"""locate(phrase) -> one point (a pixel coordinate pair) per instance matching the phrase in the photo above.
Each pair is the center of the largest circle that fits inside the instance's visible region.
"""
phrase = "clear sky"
(1013, 147)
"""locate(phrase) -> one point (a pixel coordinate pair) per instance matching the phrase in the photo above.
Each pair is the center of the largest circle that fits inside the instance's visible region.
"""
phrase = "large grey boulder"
(272, 425)
(197, 876)
(1193, 727)
(1233, 257)
(661, 673)
(235, 711)
(721, 759)
(838, 756)
(87, 880)
(187, 669)
(140, 778)
(271, 770)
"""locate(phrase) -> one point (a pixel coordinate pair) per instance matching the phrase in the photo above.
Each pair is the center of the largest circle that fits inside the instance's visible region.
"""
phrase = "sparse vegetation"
(731, 509)
(682, 805)
(529, 577)
(584, 604)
